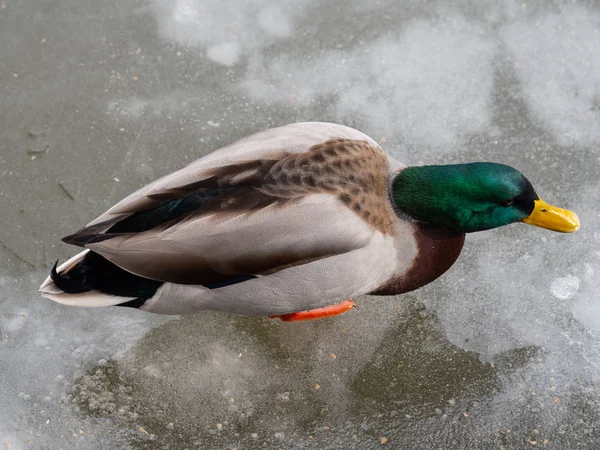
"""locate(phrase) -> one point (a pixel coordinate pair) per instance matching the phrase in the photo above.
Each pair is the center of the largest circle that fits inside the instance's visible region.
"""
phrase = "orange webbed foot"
(319, 313)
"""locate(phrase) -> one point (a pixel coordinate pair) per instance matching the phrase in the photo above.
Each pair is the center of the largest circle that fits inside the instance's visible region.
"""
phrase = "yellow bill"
(553, 218)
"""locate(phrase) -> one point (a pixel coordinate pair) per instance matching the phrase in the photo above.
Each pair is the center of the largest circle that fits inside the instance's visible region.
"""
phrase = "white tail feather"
(91, 299)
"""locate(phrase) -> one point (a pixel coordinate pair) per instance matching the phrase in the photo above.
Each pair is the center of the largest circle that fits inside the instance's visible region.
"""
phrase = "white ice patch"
(46, 343)
(557, 57)
(587, 313)
(226, 53)
(227, 29)
(272, 20)
(565, 288)
(430, 84)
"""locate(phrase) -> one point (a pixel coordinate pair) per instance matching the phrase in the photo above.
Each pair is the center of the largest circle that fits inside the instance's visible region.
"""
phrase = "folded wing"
(249, 210)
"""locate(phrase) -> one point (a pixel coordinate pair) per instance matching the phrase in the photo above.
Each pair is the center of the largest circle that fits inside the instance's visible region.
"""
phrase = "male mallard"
(288, 223)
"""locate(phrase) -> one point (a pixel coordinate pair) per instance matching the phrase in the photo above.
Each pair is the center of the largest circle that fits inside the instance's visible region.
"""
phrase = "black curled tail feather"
(96, 273)
(67, 283)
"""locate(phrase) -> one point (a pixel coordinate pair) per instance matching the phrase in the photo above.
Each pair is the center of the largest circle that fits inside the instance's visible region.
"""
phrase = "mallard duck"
(292, 222)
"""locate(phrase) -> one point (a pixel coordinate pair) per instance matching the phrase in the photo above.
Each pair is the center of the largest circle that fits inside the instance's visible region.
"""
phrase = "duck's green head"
(475, 197)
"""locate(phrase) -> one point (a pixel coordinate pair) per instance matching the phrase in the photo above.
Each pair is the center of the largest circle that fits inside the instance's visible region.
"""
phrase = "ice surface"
(229, 27)
(226, 53)
(501, 352)
(44, 351)
(274, 21)
(564, 288)
(433, 81)
(557, 57)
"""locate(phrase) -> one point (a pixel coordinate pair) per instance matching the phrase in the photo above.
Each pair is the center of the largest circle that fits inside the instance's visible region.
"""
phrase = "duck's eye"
(507, 202)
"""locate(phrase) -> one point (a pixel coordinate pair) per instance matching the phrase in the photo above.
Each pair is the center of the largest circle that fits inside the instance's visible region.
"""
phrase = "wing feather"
(234, 227)
(272, 144)
(207, 249)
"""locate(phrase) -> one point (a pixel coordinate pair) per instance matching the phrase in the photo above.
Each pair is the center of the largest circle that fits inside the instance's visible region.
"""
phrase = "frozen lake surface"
(100, 98)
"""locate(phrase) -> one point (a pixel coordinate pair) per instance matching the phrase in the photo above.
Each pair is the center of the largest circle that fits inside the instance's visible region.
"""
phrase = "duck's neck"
(422, 193)
(437, 250)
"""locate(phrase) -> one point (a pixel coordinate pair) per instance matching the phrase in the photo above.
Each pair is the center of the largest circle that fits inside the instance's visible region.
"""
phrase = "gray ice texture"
(100, 98)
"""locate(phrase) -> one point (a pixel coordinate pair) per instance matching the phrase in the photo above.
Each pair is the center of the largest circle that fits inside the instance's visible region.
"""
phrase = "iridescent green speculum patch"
(464, 197)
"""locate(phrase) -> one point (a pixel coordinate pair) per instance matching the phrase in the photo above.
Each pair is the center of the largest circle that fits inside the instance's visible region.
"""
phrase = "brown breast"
(437, 250)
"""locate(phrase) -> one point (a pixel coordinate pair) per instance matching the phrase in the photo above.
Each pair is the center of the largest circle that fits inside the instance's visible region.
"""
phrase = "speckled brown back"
(356, 172)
